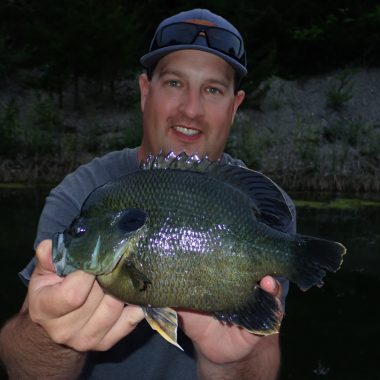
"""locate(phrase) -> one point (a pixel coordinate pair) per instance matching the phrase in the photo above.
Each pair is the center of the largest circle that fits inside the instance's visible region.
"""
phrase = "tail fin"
(315, 257)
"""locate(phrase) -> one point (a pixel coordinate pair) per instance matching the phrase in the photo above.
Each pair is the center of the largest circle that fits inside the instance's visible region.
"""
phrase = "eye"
(213, 90)
(131, 220)
(78, 228)
(174, 83)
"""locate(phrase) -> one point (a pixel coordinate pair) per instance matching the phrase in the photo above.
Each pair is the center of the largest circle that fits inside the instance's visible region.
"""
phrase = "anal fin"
(164, 321)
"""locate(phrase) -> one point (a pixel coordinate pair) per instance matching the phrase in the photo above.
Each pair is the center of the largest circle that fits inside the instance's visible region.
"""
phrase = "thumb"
(271, 285)
(44, 259)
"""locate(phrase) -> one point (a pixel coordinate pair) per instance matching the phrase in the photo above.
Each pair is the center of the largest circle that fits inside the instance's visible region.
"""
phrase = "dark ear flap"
(131, 220)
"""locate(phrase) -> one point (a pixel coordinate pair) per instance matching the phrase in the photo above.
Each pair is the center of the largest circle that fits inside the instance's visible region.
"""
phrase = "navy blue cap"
(202, 17)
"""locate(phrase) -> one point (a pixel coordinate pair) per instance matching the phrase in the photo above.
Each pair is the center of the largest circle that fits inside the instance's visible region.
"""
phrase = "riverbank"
(317, 134)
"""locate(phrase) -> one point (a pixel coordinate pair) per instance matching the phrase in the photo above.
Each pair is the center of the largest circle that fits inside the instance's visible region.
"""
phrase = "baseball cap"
(198, 29)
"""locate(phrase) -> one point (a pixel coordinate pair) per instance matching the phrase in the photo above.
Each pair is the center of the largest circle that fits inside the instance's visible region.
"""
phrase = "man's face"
(189, 104)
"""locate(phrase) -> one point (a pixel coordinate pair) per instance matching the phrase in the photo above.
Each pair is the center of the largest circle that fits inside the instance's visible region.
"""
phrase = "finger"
(271, 285)
(111, 322)
(44, 260)
(64, 297)
(99, 322)
(67, 328)
(44, 272)
(128, 321)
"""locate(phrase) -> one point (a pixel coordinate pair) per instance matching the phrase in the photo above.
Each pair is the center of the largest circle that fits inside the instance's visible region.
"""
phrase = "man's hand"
(231, 348)
(74, 310)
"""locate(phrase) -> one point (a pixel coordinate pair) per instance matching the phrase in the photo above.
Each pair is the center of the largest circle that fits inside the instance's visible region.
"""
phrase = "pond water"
(330, 332)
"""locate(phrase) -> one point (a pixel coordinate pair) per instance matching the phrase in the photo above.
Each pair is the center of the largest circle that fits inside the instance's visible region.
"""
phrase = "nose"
(191, 103)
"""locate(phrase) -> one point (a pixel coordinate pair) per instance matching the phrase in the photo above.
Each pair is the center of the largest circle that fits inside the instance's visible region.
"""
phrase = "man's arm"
(29, 353)
(60, 320)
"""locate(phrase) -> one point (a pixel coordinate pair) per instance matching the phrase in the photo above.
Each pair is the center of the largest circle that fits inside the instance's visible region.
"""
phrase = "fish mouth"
(61, 264)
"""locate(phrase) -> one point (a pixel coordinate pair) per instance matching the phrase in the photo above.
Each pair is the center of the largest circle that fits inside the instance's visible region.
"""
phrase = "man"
(68, 327)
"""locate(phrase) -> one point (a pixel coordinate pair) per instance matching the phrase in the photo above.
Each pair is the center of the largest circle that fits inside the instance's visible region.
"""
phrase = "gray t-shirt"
(143, 354)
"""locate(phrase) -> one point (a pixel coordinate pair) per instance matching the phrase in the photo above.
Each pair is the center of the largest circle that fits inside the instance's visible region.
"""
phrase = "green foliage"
(35, 134)
(250, 145)
(132, 133)
(313, 33)
(352, 133)
(340, 92)
(41, 129)
(9, 128)
(339, 204)
(306, 141)
(114, 135)
(63, 41)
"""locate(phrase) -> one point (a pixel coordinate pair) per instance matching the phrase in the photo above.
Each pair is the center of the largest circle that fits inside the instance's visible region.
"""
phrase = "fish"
(186, 232)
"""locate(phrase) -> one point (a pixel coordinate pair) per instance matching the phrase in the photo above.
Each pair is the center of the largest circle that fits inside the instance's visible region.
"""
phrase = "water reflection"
(333, 332)
(329, 333)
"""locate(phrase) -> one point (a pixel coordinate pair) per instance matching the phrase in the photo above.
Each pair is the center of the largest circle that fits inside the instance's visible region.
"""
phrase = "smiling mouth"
(187, 131)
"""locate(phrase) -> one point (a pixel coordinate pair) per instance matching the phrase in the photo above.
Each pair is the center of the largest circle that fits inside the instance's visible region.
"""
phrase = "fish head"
(95, 244)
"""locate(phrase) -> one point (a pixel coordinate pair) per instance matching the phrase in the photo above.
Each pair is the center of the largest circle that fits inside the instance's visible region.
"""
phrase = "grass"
(342, 203)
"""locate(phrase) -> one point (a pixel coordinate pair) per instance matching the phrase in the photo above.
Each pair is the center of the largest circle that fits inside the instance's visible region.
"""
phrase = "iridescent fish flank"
(186, 232)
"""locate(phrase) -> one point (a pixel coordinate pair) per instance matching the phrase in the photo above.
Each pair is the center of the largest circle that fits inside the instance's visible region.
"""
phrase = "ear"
(144, 84)
(239, 97)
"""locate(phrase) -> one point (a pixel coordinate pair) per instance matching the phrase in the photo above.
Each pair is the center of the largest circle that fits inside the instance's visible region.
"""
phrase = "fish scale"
(205, 207)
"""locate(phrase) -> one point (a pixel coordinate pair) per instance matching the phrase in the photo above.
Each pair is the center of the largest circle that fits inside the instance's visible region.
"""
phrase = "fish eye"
(131, 220)
(78, 228)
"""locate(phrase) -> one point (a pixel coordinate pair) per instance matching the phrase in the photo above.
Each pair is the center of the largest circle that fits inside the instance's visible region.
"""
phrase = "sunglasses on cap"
(185, 33)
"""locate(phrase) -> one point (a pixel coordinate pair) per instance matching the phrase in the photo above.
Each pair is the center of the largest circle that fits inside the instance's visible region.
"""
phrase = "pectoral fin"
(165, 321)
(139, 280)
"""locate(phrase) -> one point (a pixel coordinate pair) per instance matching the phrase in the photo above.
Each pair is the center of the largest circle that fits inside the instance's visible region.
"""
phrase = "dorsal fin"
(181, 162)
(266, 196)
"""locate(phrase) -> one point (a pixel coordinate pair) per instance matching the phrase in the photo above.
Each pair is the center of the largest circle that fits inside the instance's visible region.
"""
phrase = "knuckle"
(104, 345)
(73, 298)
(35, 314)
(91, 343)
(82, 345)
(112, 304)
(132, 323)
(59, 336)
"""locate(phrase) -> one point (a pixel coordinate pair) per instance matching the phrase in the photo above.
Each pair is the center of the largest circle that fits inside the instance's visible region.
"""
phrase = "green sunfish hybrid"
(185, 232)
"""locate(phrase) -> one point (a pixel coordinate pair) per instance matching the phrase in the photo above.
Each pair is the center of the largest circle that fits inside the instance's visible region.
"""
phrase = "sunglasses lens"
(185, 33)
(176, 34)
(224, 41)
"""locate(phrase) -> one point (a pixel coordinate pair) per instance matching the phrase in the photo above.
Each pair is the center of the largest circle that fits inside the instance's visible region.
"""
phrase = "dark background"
(60, 42)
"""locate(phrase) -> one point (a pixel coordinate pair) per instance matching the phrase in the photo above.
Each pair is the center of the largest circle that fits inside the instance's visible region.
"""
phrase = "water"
(328, 333)
(333, 332)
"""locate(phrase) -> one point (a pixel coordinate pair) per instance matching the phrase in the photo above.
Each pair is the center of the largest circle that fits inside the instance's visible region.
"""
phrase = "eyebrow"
(170, 72)
(180, 74)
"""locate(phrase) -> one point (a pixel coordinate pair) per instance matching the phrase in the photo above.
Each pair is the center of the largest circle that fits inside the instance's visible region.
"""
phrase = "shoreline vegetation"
(310, 121)
(320, 134)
